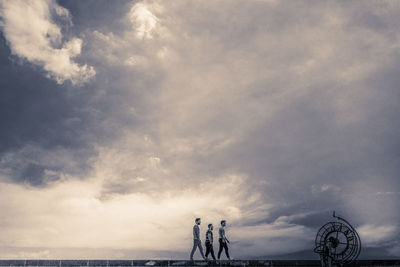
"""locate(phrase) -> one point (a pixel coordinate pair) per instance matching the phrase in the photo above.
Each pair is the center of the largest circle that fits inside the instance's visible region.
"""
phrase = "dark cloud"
(292, 110)
(35, 110)
(97, 14)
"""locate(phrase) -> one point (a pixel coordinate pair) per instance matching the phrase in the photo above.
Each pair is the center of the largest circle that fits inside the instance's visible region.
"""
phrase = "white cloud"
(70, 214)
(143, 20)
(141, 46)
(33, 35)
(376, 235)
(41, 254)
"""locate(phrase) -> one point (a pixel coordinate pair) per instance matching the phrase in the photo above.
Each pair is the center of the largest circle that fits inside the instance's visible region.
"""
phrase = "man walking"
(196, 239)
(223, 241)
(210, 241)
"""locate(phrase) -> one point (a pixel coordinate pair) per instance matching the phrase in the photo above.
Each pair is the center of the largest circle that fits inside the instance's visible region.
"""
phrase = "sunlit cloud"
(33, 35)
(143, 20)
(376, 235)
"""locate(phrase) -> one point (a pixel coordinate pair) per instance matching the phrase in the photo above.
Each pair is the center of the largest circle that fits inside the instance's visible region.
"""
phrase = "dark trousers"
(223, 245)
(210, 249)
(196, 243)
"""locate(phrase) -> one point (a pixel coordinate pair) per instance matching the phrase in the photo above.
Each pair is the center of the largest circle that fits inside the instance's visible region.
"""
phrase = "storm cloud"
(269, 114)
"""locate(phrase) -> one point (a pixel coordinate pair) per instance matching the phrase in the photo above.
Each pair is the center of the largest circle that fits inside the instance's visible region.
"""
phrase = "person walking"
(196, 239)
(210, 241)
(223, 241)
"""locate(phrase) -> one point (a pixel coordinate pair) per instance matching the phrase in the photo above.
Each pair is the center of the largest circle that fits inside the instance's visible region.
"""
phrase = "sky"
(123, 121)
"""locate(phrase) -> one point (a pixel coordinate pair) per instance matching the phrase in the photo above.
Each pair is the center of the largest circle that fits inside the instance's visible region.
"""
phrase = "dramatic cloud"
(269, 114)
(376, 235)
(144, 22)
(80, 214)
(33, 34)
(34, 165)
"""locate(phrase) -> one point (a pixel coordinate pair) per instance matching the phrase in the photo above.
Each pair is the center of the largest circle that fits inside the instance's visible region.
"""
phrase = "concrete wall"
(243, 263)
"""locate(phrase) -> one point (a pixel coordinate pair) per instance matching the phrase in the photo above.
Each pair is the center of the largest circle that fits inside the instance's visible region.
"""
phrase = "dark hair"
(209, 225)
(223, 221)
(197, 219)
